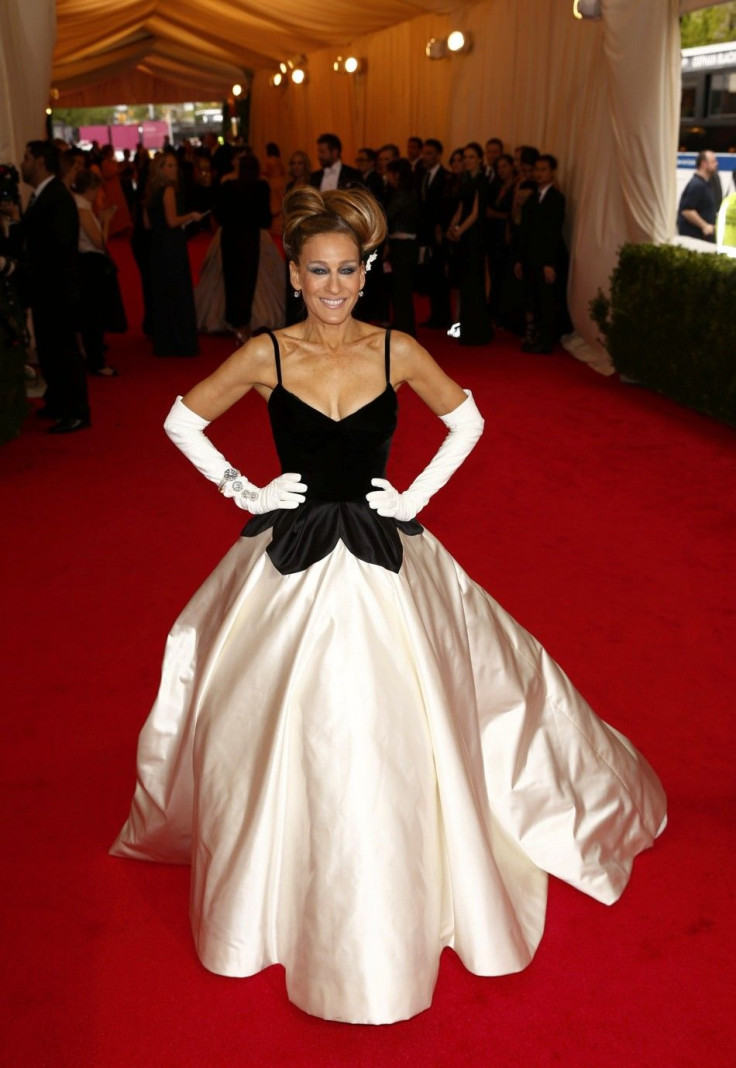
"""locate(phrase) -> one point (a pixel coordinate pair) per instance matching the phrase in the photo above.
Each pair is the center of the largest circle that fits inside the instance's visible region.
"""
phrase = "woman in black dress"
(403, 215)
(242, 208)
(467, 230)
(498, 211)
(174, 318)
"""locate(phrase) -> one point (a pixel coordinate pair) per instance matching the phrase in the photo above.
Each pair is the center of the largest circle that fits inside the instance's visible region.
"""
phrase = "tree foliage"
(711, 25)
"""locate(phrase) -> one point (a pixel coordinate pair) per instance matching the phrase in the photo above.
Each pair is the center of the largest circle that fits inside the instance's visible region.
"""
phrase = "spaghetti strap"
(388, 356)
(276, 355)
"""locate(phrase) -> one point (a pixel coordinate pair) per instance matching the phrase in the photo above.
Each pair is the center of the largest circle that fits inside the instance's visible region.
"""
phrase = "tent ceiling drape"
(203, 46)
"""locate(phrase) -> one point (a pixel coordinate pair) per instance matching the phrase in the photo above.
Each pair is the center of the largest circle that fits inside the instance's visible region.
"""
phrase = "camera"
(9, 184)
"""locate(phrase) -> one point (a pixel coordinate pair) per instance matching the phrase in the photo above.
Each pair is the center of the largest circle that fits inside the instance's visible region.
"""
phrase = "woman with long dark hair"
(174, 320)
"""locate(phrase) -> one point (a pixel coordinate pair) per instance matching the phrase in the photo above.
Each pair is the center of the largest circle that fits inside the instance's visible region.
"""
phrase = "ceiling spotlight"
(348, 65)
(48, 111)
(299, 76)
(459, 43)
(435, 49)
(456, 44)
(586, 9)
(283, 68)
(237, 89)
(276, 79)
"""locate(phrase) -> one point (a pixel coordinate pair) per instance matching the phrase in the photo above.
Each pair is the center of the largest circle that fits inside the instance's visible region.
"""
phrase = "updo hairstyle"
(354, 212)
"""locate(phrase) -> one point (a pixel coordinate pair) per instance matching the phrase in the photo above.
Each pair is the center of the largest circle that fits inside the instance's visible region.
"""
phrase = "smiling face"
(329, 274)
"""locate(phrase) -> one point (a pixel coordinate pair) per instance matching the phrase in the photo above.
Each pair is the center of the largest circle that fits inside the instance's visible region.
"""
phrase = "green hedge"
(670, 324)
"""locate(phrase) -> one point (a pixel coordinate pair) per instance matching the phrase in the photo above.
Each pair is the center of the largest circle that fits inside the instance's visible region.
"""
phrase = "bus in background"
(708, 111)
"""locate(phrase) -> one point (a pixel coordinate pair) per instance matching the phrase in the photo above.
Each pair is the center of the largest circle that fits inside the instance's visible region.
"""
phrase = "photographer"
(13, 333)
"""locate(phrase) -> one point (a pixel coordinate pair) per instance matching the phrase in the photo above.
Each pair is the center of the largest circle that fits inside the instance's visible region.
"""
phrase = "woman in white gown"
(362, 756)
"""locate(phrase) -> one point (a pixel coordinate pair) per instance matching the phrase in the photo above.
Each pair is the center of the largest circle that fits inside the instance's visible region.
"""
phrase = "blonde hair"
(156, 178)
(355, 212)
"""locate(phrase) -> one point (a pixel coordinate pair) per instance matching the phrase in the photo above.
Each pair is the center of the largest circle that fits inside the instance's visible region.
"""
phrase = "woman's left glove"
(465, 425)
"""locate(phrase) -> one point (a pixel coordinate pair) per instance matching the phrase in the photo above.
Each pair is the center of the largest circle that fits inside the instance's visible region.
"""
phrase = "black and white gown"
(364, 758)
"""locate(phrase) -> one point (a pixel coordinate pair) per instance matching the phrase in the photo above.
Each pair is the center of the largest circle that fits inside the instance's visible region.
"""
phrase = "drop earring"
(297, 292)
(360, 292)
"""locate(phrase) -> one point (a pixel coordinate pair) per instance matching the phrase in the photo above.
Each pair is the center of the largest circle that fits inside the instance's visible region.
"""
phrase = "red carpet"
(601, 516)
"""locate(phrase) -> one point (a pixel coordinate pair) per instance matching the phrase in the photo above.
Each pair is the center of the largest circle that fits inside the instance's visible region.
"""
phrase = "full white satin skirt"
(364, 767)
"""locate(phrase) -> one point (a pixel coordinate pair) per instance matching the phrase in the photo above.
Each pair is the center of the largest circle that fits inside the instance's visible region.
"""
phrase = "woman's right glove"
(186, 430)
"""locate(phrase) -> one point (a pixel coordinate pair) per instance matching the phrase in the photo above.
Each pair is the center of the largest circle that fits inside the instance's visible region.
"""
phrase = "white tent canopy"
(601, 95)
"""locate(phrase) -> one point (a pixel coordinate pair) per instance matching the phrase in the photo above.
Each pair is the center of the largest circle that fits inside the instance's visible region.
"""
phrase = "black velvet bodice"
(336, 459)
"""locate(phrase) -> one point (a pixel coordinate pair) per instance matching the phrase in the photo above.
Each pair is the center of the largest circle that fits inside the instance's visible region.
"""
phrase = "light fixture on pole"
(277, 80)
(587, 9)
(456, 43)
(459, 43)
(299, 76)
(237, 89)
(348, 65)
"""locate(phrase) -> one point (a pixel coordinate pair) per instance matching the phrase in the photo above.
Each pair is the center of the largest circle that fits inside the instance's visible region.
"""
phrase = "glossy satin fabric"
(364, 758)
(363, 767)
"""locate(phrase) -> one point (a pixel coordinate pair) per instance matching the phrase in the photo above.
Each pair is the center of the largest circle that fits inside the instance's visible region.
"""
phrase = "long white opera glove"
(186, 430)
(465, 425)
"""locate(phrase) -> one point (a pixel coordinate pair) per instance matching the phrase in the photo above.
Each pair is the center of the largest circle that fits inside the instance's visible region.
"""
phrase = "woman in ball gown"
(467, 229)
(361, 755)
(267, 301)
(174, 322)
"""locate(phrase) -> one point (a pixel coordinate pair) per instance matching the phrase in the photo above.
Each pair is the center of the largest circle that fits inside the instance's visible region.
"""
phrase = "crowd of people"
(482, 238)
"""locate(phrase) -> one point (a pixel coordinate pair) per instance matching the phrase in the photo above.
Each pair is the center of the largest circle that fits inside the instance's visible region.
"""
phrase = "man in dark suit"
(334, 173)
(431, 243)
(50, 233)
(366, 161)
(541, 259)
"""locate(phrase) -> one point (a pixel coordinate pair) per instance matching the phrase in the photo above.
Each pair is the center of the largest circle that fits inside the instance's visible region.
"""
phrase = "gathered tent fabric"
(27, 32)
(601, 95)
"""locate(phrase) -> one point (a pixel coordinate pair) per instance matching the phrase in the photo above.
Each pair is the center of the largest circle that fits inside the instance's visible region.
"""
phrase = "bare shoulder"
(408, 357)
(255, 361)
(411, 363)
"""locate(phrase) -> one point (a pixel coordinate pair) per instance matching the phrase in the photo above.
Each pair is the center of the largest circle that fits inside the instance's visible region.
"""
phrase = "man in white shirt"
(432, 205)
(334, 173)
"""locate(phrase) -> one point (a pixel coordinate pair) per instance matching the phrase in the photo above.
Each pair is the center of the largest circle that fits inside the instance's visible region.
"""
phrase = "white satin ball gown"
(364, 758)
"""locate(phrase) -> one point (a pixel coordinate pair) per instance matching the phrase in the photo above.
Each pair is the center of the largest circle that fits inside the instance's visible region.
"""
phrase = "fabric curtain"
(27, 33)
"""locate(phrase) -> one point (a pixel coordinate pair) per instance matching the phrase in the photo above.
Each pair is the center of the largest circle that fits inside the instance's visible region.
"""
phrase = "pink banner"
(101, 134)
(153, 134)
(126, 136)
